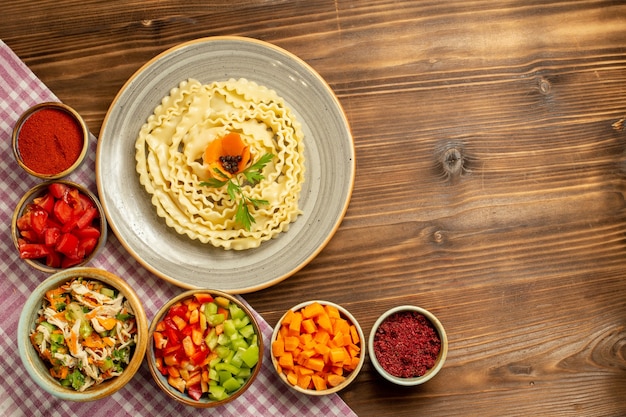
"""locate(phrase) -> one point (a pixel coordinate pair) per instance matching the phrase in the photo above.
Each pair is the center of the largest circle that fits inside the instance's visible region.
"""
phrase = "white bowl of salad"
(82, 334)
(205, 348)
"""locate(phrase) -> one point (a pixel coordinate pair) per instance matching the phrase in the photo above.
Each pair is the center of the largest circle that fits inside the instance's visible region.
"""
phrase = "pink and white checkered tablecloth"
(20, 89)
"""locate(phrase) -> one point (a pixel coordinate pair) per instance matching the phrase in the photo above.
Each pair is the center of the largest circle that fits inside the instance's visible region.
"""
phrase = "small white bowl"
(430, 373)
(349, 377)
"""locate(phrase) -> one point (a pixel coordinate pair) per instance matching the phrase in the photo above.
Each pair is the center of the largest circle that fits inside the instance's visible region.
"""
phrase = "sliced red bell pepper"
(203, 298)
(195, 391)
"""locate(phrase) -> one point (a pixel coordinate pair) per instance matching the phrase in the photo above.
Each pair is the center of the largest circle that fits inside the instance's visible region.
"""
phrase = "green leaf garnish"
(234, 185)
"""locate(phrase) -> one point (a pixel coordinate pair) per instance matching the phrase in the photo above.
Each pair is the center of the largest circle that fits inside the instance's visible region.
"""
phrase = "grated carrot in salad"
(85, 332)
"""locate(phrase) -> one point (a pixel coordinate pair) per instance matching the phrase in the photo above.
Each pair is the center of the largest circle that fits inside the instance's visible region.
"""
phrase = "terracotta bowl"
(59, 109)
(38, 369)
(210, 367)
(400, 342)
(286, 373)
(39, 191)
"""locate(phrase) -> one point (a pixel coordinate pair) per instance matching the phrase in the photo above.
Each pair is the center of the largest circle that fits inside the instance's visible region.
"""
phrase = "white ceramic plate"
(329, 153)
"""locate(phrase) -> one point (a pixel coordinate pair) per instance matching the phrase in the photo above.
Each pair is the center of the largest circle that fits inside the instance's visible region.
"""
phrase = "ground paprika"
(50, 141)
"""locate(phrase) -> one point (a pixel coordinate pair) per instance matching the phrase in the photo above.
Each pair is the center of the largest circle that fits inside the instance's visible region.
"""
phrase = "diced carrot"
(288, 317)
(107, 323)
(303, 370)
(278, 347)
(316, 364)
(338, 339)
(332, 311)
(322, 349)
(333, 379)
(323, 321)
(341, 325)
(286, 360)
(319, 382)
(322, 337)
(292, 378)
(291, 343)
(294, 326)
(316, 348)
(309, 326)
(337, 355)
(312, 310)
(304, 381)
(354, 334)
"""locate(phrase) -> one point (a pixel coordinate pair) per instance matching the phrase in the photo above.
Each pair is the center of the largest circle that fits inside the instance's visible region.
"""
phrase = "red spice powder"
(50, 141)
(406, 344)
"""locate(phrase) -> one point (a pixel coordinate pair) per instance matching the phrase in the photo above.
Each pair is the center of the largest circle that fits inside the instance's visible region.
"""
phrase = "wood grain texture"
(490, 184)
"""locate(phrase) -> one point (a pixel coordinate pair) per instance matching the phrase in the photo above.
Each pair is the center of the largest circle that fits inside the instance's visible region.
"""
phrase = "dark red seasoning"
(406, 344)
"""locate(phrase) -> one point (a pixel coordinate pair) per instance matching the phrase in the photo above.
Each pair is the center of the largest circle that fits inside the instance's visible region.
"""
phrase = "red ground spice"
(50, 141)
(406, 344)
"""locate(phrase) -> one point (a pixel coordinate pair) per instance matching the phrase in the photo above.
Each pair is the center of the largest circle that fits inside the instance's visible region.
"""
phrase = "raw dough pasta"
(169, 156)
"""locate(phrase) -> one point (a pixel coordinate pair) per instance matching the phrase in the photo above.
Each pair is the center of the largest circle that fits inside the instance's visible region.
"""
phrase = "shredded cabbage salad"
(86, 333)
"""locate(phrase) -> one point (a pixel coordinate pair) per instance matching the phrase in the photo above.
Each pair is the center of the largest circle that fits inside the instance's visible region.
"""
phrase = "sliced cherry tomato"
(46, 202)
(63, 211)
(33, 250)
(67, 245)
(88, 232)
(58, 190)
(87, 218)
(53, 259)
(38, 221)
(51, 235)
(87, 245)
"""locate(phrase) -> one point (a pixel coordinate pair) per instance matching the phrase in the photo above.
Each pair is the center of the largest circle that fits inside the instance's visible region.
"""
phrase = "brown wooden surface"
(521, 253)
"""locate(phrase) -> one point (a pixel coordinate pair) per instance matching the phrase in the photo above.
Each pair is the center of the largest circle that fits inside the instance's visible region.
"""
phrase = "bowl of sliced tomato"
(317, 348)
(58, 225)
(206, 348)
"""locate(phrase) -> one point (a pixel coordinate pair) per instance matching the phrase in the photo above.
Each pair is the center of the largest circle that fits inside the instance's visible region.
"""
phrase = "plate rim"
(350, 184)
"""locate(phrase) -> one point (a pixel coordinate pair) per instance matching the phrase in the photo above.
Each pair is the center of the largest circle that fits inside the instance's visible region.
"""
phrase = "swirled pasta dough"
(169, 156)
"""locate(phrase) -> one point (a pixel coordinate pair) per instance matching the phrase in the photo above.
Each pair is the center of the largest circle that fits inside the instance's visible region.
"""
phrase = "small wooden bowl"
(35, 366)
(80, 124)
(345, 314)
(162, 381)
(38, 191)
(430, 373)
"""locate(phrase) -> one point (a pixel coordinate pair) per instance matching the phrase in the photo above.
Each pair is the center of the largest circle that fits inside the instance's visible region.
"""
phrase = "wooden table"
(490, 187)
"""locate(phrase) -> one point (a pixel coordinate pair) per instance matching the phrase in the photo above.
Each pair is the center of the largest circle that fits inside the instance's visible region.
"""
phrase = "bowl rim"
(162, 382)
(40, 189)
(351, 377)
(440, 359)
(32, 110)
(29, 355)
